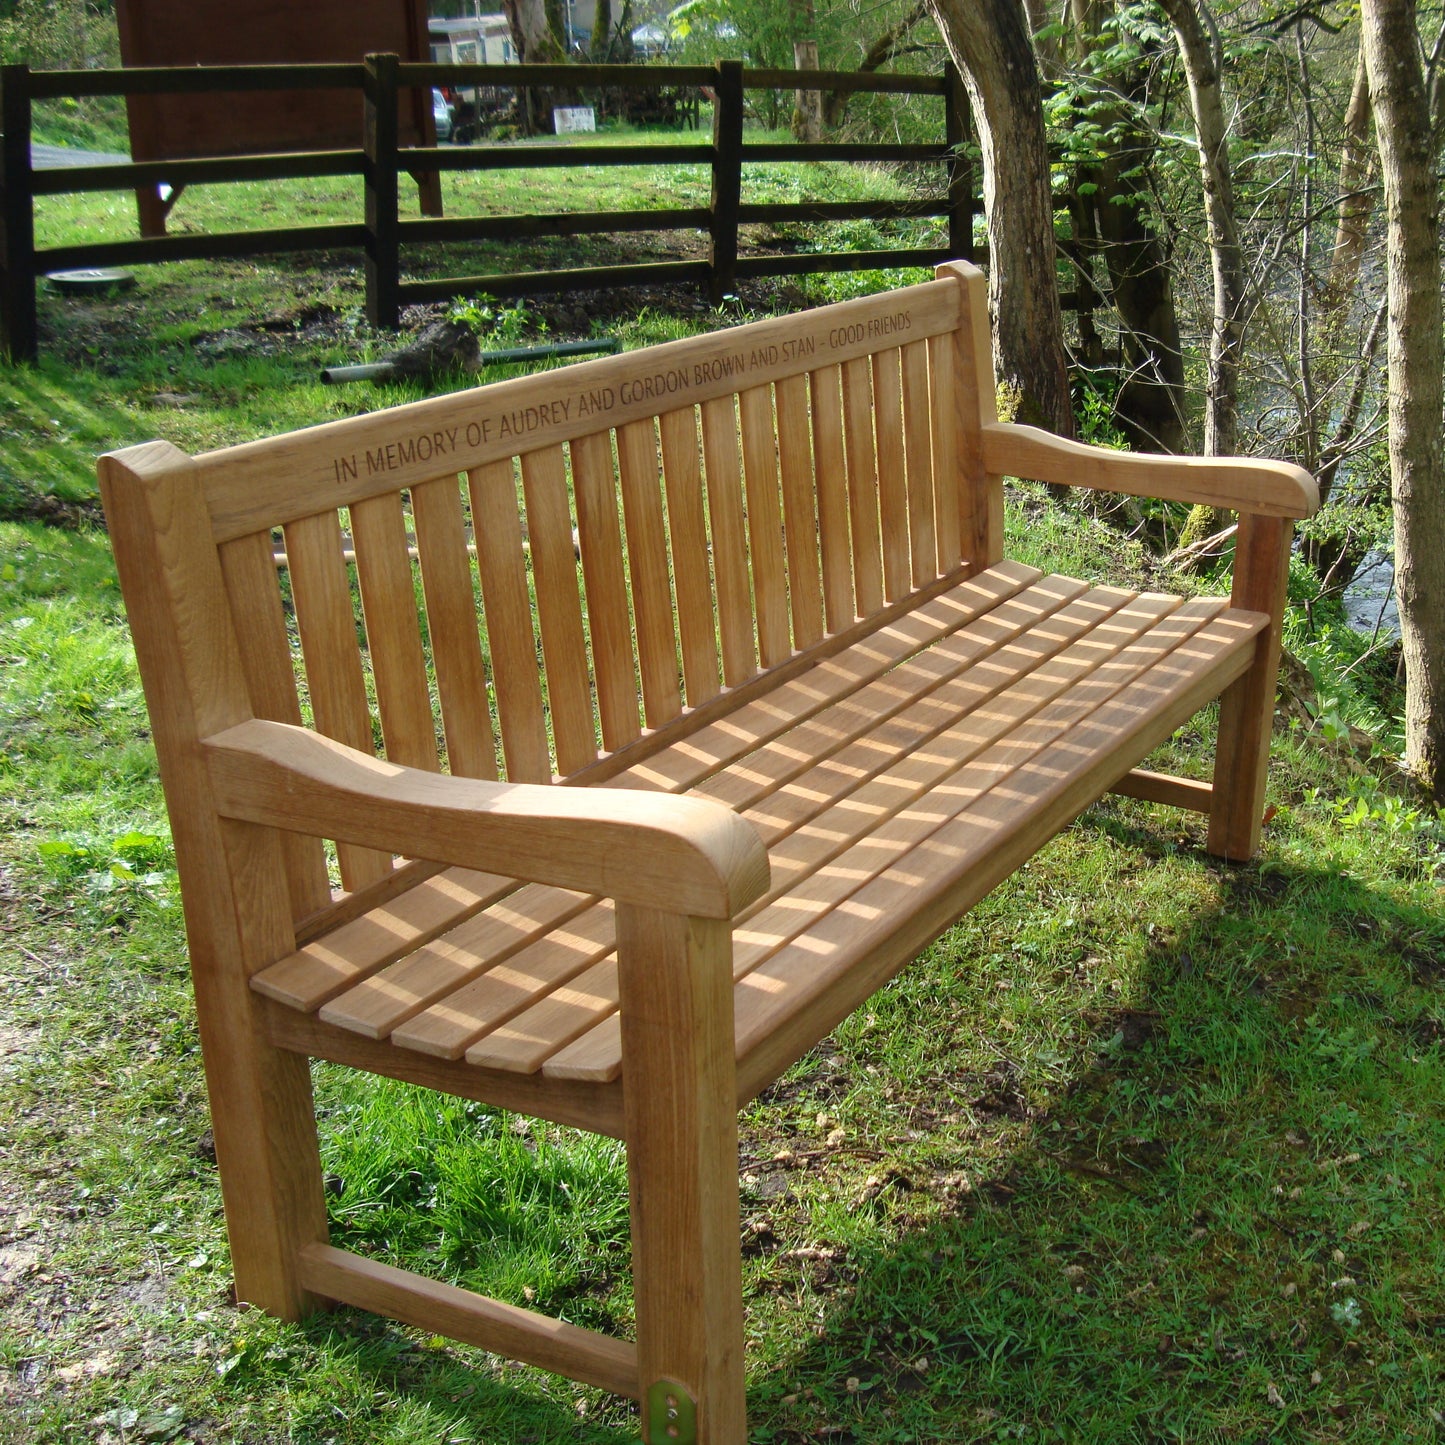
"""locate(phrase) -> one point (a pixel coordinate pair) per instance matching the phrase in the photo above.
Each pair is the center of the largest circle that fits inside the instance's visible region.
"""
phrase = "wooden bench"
(791, 716)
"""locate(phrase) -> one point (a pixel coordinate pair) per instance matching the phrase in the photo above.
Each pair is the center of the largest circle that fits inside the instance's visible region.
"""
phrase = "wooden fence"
(383, 234)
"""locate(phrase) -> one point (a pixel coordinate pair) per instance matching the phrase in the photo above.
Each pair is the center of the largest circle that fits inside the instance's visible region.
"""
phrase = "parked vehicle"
(442, 114)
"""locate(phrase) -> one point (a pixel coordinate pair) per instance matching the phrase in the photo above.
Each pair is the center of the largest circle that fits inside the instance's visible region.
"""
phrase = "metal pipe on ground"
(386, 370)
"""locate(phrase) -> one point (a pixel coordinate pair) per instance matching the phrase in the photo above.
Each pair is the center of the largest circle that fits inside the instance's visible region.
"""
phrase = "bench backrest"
(734, 499)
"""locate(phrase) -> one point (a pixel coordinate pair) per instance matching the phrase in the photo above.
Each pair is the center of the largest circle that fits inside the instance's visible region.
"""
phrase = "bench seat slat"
(351, 953)
(999, 807)
(318, 972)
(398, 994)
(840, 839)
(818, 864)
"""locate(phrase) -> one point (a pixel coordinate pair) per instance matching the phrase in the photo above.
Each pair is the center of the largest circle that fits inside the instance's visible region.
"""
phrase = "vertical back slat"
(862, 485)
(559, 608)
(647, 566)
(729, 548)
(980, 494)
(918, 461)
(800, 521)
(943, 407)
(687, 526)
(892, 483)
(609, 620)
(249, 568)
(508, 611)
(446, 579)
(334, 678)
(388, 603)
(765, 524)
(831, 470)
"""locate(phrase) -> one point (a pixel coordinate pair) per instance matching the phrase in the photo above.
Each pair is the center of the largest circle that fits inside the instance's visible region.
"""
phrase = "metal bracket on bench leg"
(671, 1414)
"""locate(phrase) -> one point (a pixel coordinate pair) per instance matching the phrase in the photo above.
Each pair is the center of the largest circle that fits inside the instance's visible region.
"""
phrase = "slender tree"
(989, 40)
(1407, 146)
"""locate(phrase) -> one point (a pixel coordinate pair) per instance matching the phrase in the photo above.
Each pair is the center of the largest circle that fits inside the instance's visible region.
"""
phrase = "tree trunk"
(1417, 471)
(807, 104)
(1151, 405)
(878, 54)
(1357, 163)
(990, 43)
(1226, 342)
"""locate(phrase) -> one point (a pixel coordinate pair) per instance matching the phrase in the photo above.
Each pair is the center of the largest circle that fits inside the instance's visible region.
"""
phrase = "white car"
(442, 115)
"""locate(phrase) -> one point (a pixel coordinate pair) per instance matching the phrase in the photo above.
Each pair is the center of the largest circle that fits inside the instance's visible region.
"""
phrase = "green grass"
(1147, 1148)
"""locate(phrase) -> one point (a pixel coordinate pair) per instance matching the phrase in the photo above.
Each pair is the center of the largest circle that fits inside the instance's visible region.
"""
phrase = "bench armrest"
(676, 854)
(1244, 484)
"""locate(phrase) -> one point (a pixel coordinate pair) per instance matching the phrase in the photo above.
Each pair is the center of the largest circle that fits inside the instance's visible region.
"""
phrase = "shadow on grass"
(1225, 1226)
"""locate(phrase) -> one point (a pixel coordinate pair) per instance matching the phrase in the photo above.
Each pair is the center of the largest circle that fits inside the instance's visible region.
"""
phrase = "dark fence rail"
(382, 160)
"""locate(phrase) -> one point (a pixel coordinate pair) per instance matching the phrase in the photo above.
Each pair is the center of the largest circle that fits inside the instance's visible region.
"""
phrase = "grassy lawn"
(1148, 1148)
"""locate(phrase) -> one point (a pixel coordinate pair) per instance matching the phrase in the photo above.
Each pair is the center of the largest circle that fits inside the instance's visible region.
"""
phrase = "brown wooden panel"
(356, 949)
(452, 621)
(516, 676)
(321, 593)
(800, 522)
(647, 566)
(388, 601)
(609, 618)
(691, 568)
(862, 486)
(263, 32)
(382, 1002)
(559, 608)
(831, 470)
(892, 480)
(729, 545)
(765, 524)
(947, 452)
(918, 462)
(489, 996)
(249, 568)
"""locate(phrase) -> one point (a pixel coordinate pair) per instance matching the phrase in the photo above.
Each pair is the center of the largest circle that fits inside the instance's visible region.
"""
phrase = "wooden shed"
(264, 32)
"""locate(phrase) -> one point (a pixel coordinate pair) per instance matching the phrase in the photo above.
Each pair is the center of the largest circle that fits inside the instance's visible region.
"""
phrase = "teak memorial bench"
(789, 719)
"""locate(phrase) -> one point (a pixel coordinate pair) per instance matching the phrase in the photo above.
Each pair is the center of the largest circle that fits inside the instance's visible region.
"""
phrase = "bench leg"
(1246, 708)
(680, 1104)
(262, 1112)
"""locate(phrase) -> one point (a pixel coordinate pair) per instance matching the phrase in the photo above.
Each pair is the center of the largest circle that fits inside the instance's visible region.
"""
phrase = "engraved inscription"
(658, 386)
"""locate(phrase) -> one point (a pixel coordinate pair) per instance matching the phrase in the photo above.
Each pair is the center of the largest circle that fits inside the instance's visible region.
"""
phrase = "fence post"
(17, 218)
(962, 182)
(727, 177)
(383, 234)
